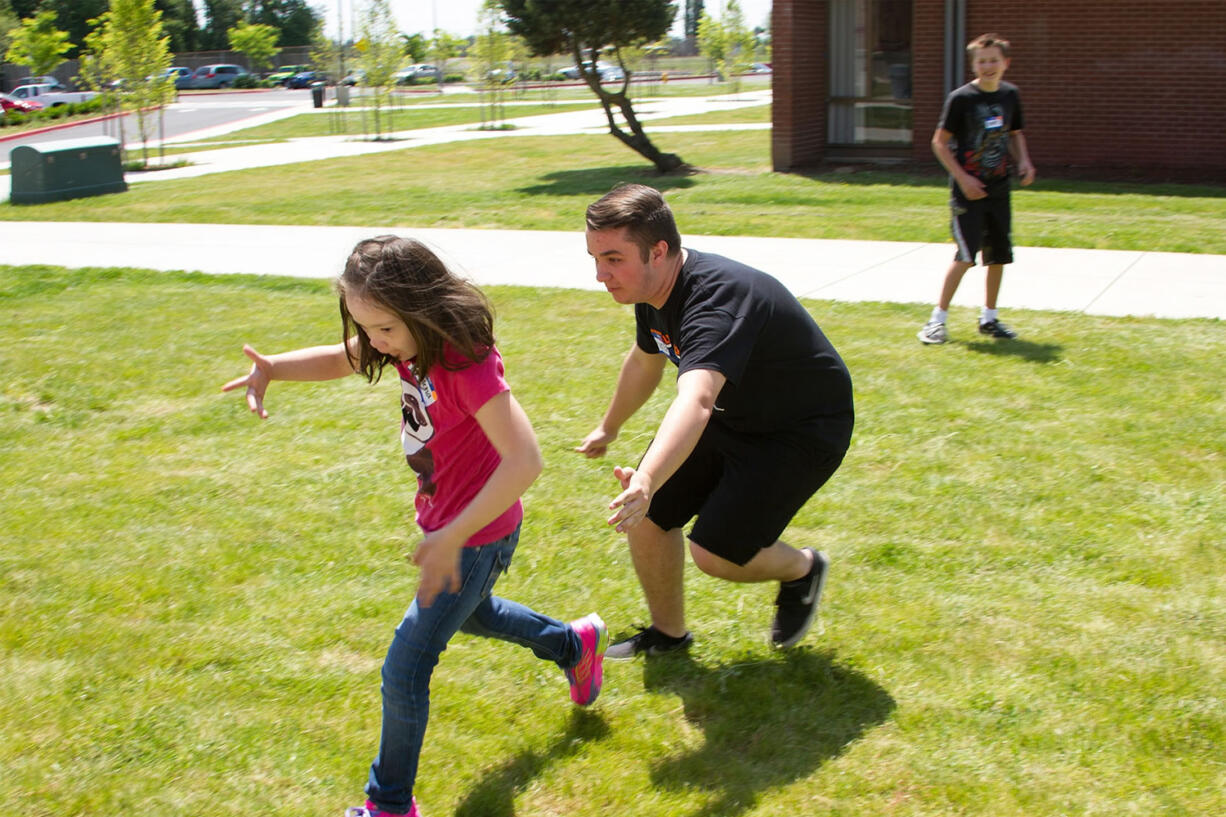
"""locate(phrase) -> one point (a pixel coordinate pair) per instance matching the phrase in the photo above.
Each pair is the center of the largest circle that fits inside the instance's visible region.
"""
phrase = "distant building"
(1137, 86)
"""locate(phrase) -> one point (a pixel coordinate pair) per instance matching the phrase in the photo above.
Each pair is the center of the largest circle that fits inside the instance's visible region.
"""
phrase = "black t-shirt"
(981, 122)
(781, 371)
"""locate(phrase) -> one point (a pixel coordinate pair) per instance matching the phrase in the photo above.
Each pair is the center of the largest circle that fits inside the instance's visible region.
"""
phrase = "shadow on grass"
(597, 181)
(1026, 350)
(767, 723)
(1103, 182)
(495, 796)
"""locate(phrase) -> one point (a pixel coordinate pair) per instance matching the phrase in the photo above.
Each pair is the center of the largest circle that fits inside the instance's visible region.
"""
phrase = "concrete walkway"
(1102, 282)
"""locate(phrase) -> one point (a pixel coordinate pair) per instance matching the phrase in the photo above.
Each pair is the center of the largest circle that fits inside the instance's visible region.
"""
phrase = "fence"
(13, 75)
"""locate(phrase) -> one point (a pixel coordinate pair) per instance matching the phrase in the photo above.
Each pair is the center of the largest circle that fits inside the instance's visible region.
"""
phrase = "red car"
(12, 103)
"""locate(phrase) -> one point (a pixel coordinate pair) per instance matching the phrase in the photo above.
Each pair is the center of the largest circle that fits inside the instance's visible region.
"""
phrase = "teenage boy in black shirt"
(762, 418)
(983, 119)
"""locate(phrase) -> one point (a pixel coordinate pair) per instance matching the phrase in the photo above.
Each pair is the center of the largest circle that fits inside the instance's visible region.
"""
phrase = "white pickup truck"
(48, 98)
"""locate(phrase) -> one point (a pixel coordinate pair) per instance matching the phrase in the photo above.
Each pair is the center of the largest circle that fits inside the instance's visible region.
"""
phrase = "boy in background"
(982, 121)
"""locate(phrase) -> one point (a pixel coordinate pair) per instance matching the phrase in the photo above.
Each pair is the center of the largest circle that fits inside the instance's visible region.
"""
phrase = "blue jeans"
(421, 638)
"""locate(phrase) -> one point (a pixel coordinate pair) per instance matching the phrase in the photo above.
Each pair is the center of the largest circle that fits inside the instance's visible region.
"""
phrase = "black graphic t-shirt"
(781, 370)
(981, 122)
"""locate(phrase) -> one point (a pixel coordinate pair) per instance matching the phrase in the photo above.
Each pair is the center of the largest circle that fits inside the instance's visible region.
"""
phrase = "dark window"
(870, 72)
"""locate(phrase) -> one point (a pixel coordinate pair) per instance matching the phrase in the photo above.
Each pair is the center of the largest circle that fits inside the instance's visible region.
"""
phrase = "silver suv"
(217, 75)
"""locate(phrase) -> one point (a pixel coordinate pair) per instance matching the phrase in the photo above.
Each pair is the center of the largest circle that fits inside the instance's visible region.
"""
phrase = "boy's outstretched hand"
(256, 381)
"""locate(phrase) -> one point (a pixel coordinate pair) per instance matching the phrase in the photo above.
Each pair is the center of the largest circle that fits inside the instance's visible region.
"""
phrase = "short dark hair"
(642, 211)
(440, 308)
(988, 41)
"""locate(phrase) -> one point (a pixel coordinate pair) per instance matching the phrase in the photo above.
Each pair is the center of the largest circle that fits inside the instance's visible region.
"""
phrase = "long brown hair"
(440, 308)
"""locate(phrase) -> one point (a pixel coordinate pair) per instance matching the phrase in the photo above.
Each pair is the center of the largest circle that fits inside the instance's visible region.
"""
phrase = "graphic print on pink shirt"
(416, 430)
(444, 443)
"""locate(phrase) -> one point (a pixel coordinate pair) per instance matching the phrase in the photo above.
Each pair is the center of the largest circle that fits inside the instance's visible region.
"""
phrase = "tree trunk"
(636, 139)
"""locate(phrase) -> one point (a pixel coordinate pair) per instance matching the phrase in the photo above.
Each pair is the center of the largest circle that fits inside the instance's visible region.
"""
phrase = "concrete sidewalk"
(1103, 282)
(1098, 282)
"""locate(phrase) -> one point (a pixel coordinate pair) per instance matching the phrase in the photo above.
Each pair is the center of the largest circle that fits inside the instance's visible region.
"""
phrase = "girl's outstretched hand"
(439, 560)
(256, 381)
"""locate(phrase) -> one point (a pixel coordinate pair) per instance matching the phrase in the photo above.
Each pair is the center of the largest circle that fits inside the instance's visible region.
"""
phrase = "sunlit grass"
(545, 182)
(1026, 615)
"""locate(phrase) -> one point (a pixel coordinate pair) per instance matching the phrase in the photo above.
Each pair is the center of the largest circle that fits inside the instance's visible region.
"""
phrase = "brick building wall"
(1137, 85)
(799, 79)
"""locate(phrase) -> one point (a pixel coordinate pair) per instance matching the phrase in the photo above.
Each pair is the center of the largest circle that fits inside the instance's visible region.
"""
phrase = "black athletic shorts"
(744, 488)
(982, 225)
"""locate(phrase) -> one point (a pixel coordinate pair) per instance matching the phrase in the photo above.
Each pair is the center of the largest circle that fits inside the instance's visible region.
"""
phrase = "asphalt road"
(193, 112)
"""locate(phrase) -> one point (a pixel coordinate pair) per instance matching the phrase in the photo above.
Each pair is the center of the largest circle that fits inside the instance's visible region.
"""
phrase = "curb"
(60, 126)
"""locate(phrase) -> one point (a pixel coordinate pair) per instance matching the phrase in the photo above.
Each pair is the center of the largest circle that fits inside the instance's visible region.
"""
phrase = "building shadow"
(495, 795)
(766, 722)
(596, 181)
(1025, 349)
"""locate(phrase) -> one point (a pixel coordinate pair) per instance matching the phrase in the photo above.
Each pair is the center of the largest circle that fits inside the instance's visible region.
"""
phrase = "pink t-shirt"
(445, 445)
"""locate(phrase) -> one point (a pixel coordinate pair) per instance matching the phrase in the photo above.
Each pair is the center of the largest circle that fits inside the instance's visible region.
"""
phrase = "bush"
(14, 118)
(251, 81)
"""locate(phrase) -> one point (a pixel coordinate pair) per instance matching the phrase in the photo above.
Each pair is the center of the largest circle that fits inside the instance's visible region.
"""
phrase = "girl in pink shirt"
(474, 453)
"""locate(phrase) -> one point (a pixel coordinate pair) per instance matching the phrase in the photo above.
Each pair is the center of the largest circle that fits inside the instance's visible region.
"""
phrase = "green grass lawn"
(755, 114)
(1026, 615)
(545, 182)
(341, 121)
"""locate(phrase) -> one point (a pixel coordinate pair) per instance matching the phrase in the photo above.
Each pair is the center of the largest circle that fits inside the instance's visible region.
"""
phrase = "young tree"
(379, 54)
(325, 52)
(257, 41)
(8, 22)
(492, 53)
(443, 47)
(415, 46)
(586, 28)
(38, 44)
(135, 51)
(74, 17)
(693, 13)
(728, 42)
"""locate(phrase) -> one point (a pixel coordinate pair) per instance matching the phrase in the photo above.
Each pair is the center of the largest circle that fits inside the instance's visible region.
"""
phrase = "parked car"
(176, 72)
(50, 98)
(217, 75)
(504, 76)
(303, 79)
(356, 78)
(760, 68)
(285, 73)
(418, 71)
(12, 103)
(607, 71)
(55, 84)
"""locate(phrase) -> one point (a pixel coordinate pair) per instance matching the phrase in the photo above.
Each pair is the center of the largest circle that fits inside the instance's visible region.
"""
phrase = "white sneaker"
(933, 332)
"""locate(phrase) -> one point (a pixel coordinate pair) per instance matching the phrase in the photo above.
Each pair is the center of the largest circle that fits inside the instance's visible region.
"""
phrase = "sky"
(460, 16)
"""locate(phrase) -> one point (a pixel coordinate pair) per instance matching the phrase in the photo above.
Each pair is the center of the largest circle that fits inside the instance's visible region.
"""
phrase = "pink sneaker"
(371, 810)
(587, 676)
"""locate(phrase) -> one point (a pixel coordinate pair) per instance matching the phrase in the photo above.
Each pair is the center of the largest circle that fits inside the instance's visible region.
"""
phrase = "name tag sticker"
(994, 122)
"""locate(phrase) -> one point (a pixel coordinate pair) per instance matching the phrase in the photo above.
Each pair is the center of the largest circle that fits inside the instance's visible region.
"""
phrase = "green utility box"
(65, 169)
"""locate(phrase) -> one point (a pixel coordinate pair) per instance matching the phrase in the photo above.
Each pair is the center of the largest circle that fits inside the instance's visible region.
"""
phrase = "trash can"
(65, 169)
(317, 94)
